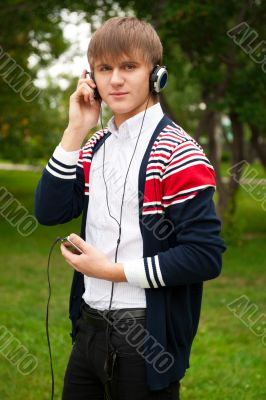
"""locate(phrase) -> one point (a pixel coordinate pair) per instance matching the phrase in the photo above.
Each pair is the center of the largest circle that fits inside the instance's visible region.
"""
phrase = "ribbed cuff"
(144, 272)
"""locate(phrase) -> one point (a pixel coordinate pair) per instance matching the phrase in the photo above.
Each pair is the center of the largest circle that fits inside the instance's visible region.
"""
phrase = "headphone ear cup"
(158, 79)
(89, 74)
(96, 93)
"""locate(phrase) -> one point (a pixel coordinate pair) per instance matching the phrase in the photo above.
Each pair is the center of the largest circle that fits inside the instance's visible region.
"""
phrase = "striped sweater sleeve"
(63, 164)
(59, 195)
(187, 173)
(188, 187)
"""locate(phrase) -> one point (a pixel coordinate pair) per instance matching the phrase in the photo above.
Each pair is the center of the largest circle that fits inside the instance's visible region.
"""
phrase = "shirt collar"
(131, 127)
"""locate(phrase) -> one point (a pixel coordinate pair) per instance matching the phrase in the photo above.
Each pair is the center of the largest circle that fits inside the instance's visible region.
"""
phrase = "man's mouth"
(118, 94)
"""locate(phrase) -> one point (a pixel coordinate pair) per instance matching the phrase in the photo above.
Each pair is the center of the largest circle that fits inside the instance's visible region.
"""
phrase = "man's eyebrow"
(130, 62)
(102, 65)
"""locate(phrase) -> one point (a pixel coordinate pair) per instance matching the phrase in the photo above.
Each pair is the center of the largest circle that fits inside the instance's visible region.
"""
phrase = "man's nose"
(117, 77)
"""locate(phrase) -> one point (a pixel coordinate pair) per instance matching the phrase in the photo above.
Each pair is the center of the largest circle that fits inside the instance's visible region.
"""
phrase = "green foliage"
(28, 130)
(34, 129)
(203, 61)
(228, 77)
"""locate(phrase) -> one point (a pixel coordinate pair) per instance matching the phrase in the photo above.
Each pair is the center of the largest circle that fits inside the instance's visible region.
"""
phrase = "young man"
(149, 235)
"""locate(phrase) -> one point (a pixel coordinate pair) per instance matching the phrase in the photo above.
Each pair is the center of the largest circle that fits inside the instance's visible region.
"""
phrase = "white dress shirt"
(102, 231)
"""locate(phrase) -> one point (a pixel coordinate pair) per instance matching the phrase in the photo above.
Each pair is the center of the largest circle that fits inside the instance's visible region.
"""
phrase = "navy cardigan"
(182, 246)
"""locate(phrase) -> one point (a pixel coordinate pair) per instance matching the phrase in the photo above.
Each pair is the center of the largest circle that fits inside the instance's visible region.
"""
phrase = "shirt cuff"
(144, 272)
(66, 157)
(63, 164)
(135, 273)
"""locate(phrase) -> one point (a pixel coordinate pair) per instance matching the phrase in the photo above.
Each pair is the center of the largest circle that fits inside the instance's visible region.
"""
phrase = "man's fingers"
(87, 81)
(70, 257)
(78, 242)
(83, 75)
(86, 78)
(67, 254)
(86, 92)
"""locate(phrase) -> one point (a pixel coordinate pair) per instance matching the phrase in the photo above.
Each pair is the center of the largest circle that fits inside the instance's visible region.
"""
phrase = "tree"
(26, 127)
(228, 72)
(215, 54)
(29, 130)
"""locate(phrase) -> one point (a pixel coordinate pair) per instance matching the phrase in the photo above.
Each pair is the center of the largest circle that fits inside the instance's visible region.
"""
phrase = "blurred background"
(215, 52)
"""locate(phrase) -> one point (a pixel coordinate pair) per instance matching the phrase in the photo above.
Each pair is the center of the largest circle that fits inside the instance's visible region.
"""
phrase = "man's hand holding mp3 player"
(84, 111)
(89, 260)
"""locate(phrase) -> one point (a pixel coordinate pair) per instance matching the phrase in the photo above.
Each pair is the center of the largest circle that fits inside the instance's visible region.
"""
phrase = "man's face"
(124, 85)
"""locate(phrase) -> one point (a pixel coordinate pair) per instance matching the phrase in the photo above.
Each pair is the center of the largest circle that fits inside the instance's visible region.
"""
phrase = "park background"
(215, 55)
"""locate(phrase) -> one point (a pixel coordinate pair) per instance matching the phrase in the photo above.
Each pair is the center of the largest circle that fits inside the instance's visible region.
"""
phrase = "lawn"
(228, 358)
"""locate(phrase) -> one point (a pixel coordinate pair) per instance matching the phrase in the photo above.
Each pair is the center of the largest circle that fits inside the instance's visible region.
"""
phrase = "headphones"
(158, 79)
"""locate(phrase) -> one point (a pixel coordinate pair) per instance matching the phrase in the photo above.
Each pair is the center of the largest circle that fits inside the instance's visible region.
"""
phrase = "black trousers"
(85, 377)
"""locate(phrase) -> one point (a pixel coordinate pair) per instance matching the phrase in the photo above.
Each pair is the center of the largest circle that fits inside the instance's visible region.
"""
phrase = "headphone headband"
(158, 78)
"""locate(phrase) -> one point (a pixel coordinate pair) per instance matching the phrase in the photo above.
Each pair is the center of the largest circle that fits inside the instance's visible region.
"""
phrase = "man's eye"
(105, 68)
(129, 67)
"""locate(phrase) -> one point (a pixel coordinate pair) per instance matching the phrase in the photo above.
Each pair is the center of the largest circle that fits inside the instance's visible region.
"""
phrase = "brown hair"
(120, 36)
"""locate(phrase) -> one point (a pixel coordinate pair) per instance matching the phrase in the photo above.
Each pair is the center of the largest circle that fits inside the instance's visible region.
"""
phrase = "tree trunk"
(210, 121)
(259, 148)
(203, 125)
(227, 202)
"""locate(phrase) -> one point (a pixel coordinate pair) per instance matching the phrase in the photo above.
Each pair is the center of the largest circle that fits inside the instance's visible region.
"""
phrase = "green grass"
(227, 360)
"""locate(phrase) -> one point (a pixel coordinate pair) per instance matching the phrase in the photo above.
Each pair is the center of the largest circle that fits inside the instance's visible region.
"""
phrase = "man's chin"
(120, 109)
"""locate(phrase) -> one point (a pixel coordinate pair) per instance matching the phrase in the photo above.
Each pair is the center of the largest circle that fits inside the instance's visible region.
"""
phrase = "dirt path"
(24, 167)
(19, 167)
